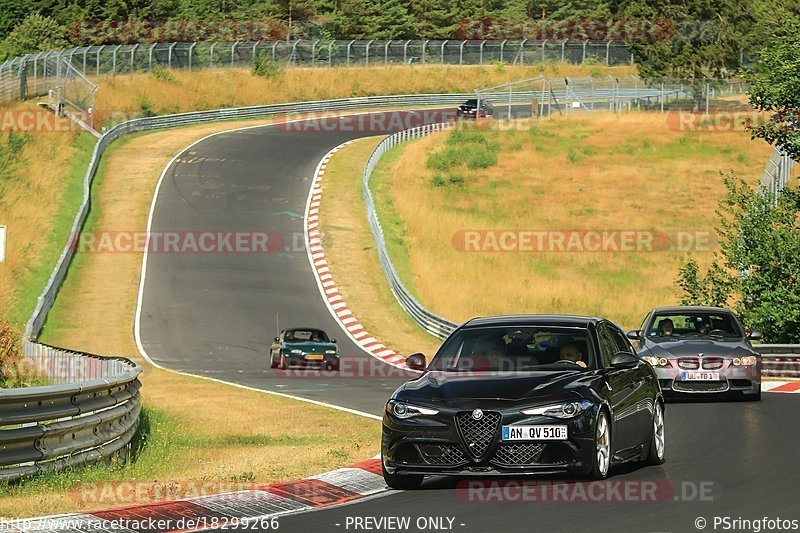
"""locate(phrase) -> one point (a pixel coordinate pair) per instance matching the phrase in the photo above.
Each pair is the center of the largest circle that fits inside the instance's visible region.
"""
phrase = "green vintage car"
(299, 347)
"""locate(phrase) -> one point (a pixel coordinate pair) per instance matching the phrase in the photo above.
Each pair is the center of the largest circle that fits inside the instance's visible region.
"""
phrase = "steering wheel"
(718, 332)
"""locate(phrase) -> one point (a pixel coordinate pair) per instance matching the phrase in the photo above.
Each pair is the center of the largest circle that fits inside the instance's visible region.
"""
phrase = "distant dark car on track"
(520, 395)
(304, 347)
(470, 109)
(700, 350)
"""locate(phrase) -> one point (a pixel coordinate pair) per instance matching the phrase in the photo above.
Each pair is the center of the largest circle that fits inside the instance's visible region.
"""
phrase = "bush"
(14, 372)
(36, 33)
(162, 73)
(266, 67)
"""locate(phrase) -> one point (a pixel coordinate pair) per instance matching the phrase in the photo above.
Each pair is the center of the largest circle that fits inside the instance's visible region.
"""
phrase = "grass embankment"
(176, 91)
(352, 258)
(589, 172)
(208, 432)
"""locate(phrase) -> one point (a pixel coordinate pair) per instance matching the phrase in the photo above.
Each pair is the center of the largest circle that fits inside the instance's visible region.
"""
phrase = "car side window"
(620, 341)
(607, 346)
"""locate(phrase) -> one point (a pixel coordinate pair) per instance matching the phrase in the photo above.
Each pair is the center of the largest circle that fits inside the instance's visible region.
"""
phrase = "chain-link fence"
(33, 75)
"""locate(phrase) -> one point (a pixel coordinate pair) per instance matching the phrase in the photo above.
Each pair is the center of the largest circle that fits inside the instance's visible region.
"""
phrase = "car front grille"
(477, 434)
(518, 454)
(689, 363)
(713, 363)
(700, 386)
(441, 454)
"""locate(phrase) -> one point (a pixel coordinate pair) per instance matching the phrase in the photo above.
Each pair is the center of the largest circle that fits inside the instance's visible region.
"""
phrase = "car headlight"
(296, 351)
(748, 360)
(330, 352)
(560, 410)
(656, 361)
(406, 410)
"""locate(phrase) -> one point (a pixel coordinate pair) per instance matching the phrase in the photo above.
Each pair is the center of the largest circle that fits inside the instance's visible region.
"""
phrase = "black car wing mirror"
(277, 339)
(755, 336)
(634, 335)
(416, 361)
(624, 360)
(333, 341)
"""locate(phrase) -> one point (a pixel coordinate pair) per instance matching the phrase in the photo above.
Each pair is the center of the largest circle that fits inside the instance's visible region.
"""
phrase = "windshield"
(471, 103)
(666, 326)
(516, 349)
(306, 335)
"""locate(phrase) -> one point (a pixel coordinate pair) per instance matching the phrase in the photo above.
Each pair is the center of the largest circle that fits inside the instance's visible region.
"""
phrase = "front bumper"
(732, 379)
(435, 445)
(328, 361)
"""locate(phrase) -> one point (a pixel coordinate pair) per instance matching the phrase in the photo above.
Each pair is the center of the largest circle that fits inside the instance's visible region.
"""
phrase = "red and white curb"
(791, 387)
(234, 508)
(327, 285)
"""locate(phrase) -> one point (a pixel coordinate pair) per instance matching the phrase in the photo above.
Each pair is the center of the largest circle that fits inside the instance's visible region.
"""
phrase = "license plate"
(700, 376)
(314, 357)
(534, 432)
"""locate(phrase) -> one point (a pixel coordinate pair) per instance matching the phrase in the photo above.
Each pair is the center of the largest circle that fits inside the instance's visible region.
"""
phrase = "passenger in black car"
(666, 328)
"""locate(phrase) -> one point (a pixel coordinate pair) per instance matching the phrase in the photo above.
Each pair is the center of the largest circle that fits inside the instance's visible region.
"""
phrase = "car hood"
(310, 347)
(455, 388)
(694, 347)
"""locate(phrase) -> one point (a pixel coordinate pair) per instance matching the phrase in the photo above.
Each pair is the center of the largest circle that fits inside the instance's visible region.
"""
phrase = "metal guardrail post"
(386, 52)
(366, 57)
(441, 53)
(349, 45)
(461, 52)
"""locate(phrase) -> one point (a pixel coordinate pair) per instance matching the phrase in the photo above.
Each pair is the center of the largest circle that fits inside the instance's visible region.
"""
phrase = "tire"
(282, 362)
(272, 363)
(601, 458)
(755, 397)
(657, 448)
(401, 482)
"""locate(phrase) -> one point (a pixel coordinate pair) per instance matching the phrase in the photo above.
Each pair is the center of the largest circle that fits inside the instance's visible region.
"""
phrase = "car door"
(642, 385)
(620, 382)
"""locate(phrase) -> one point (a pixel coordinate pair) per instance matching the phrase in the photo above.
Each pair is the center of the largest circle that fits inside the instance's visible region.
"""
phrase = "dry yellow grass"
(29, 205)
(211, 89)
(600, 172)
(351, 255)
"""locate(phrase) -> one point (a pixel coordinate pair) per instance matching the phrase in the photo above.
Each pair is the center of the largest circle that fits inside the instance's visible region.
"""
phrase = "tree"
(36, 33)
(11, 13)
(757, 270)
(702, 40)
(775, 89)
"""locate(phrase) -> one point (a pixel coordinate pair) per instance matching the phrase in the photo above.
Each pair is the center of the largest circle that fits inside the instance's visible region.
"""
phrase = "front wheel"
(655, 454)
(601, 460)
(754, 397)
(282, 362)
(272, 362)
(401, 482)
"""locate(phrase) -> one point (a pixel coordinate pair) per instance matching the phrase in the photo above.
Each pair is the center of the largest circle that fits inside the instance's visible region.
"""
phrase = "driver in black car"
(570, 352)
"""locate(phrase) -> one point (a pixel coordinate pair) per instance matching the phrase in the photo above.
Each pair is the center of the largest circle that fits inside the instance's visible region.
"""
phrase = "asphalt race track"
(214, 314)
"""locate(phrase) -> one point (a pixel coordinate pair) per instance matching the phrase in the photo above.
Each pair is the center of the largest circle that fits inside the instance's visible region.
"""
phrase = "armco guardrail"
(779, 360)
(427, 320)
(92, 415)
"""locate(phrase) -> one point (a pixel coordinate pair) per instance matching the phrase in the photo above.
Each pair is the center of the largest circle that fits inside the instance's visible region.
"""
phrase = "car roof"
(533, 320)
(690, 308)
(304, 329)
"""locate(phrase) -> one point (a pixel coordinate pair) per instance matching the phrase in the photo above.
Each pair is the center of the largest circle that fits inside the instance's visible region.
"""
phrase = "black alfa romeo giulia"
(521, 395)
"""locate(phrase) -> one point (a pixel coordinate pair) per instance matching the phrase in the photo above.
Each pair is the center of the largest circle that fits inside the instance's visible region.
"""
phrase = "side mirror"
(634, 335)
(416, 361)
(333, 341)
(624, 360)
(755, 336)
(277, 339)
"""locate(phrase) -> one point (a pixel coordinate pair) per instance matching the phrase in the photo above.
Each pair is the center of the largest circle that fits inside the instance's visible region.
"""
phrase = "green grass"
(34, 282)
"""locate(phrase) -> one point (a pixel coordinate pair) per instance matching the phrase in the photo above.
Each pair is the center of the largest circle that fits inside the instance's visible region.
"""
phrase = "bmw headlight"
(330, 352)
(560, 410)
(656, 361)
(748, 360)
(295, 351)
(406, 410)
